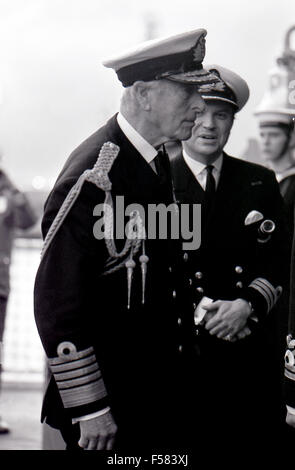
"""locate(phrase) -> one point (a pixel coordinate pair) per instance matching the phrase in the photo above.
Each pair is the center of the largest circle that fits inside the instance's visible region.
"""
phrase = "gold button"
(66, 349)
(198, 275)
(239, 284)
(200, 289)
(174, 294)
(239, 269)
(279, 290)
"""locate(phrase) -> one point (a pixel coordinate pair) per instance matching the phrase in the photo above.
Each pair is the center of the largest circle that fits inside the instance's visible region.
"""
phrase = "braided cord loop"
(135, 235)
(97, 175)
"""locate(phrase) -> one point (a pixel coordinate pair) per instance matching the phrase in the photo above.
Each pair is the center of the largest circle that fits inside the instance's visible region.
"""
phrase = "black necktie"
(210, 187)
(160, 164)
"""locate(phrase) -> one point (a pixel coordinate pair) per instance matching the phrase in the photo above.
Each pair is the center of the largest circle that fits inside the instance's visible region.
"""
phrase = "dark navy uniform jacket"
(102, 354)
(287, 188)
(290, 350)
(231, 263)
(231, 257)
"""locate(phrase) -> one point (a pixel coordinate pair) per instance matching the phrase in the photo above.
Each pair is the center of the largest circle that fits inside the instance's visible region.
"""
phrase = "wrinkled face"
(211, 130)
(273, 142)
(174, 108)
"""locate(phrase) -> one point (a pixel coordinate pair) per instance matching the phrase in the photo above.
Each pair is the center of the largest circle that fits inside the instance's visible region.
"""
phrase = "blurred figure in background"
(15, 212)
(290, 353)
(275, 115)
(277, 139)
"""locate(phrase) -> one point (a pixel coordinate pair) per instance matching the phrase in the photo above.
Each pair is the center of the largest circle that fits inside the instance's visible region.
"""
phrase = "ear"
(141, 91)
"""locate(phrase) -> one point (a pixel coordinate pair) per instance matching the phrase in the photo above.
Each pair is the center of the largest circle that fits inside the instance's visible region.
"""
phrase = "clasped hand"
(227, 319)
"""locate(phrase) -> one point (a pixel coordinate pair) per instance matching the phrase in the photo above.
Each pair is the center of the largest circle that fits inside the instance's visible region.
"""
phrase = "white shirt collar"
(284, 174)
(142, 146)
(197, 167)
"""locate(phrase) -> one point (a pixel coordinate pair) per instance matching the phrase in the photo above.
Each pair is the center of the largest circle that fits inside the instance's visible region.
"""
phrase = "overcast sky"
(55, 92)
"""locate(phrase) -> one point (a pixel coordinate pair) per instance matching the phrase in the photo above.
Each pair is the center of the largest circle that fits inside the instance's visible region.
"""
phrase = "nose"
(265, 140)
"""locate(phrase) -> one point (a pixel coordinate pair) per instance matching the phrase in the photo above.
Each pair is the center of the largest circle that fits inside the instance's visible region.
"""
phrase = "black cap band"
(159, 67)
(282, 125)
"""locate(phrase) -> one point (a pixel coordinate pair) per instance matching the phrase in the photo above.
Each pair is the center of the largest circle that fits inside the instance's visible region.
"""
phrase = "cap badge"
(199, 50)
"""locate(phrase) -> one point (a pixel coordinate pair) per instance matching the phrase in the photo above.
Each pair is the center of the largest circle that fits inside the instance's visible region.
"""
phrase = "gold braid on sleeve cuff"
(290, 358)
(267, 290)
(77, 375)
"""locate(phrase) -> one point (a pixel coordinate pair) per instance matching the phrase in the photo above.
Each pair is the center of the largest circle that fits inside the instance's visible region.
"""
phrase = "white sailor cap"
(232, 89)
(178, 58)
(273, 119)
(277, 107)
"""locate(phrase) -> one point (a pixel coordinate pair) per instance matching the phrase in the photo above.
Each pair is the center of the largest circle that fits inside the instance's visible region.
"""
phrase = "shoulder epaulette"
(97, 175)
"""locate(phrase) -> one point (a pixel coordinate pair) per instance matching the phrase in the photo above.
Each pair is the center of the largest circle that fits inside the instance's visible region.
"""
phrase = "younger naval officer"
(108, 312)
(240, 267)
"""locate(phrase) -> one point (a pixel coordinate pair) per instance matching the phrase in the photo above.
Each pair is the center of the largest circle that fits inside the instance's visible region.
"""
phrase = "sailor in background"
(275, 115)
(290, 352)
(107, 310)
(277, 138)
(237, 274)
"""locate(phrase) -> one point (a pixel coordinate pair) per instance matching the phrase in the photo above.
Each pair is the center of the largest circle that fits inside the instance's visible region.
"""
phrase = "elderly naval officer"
(239, 266)
(112, 335)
